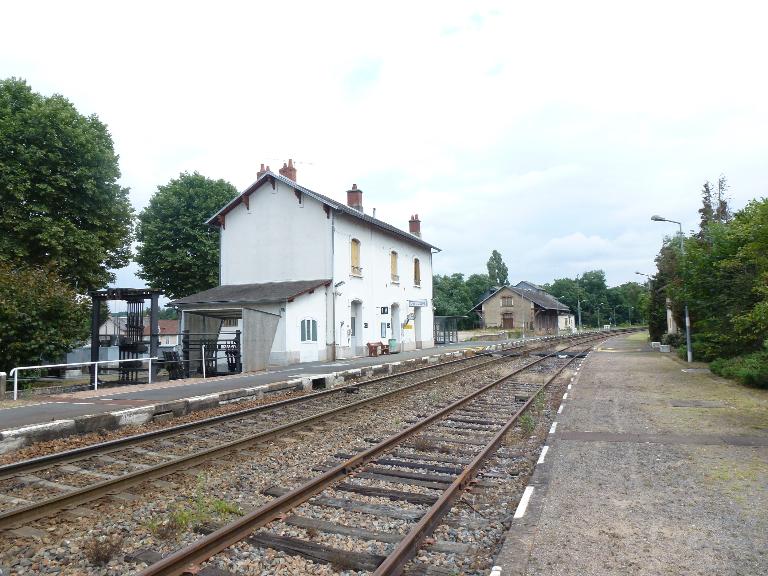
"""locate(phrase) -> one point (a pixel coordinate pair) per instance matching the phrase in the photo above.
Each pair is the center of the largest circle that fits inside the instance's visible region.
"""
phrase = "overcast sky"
(550, 131)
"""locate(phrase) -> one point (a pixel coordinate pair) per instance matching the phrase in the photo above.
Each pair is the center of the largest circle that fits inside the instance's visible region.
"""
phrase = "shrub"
(674, 339)
(750, 369)
(99, 550)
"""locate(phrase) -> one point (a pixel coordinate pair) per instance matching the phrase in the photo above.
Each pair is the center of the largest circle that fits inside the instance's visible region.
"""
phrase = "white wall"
(311, 306)
(375, 288)
(276, 239)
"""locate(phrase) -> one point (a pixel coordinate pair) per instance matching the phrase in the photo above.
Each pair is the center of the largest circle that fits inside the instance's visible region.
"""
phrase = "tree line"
(721, 273)
(628, 303)
(67, 223)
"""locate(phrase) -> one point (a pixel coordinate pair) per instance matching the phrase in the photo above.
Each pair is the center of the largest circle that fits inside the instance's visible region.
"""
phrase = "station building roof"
(264, 178)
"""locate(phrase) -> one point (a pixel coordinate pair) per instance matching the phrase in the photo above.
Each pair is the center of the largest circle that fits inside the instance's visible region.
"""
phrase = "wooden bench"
(376, 348)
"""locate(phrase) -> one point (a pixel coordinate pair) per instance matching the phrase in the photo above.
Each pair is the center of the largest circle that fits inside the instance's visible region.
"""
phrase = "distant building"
(526, 307)
(307, 278)
(114, 326)
(169, 332)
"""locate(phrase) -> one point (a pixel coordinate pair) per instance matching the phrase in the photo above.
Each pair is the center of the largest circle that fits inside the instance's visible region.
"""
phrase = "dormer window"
(393, 267)
(356, 269)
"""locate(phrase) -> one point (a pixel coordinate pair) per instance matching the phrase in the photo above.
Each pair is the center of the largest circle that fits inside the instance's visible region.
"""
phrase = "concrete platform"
(655, 467)
(26, 422)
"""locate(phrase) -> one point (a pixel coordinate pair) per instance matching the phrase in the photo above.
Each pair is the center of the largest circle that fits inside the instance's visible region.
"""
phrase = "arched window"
(393, 266)
(356, 268)
(416, 272)
(309, 330)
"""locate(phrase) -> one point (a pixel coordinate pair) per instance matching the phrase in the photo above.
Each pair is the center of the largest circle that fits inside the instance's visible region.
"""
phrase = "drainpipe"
(333, 282)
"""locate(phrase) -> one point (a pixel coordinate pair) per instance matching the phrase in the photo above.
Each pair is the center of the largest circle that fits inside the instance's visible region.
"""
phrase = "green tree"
(590, 290)
(41, 316)
(451, 296)
(179, 253)
(168, 314)
(58, 189)
(497, 270)
(478, 284)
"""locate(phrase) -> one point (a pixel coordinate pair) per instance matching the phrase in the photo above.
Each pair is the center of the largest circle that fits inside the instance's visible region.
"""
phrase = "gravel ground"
(212, 493)
(71, 442)
(676, 505)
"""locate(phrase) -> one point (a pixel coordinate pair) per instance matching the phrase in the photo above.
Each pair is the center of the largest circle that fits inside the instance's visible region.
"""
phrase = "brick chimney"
(262, 171)
(288, 170)
(355, 198)
(414, 225)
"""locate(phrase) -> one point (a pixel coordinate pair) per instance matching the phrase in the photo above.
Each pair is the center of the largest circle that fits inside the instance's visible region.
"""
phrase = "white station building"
(306, 278)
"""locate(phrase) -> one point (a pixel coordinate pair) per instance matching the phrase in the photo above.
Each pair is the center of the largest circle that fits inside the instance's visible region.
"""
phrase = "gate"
(211, 355)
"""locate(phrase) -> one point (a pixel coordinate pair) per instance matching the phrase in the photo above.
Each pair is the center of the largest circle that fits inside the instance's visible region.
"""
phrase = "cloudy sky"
(550, 131)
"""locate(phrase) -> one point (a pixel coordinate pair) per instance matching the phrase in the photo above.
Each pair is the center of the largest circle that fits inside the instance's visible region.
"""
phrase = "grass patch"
(203, 510)
(527, 423)
(750, 369)
(638, 337)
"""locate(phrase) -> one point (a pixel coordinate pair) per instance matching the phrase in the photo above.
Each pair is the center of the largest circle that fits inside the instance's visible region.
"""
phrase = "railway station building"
(305, 278)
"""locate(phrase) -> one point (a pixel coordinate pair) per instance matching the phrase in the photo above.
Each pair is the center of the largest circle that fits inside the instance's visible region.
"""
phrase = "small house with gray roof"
(525, 306)
(307, 278)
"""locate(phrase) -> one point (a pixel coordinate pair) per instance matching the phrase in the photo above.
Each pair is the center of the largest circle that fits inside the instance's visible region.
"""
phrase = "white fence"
(15, 372)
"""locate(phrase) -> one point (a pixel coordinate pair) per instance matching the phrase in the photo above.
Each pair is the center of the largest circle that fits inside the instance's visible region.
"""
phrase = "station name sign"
(417, 303)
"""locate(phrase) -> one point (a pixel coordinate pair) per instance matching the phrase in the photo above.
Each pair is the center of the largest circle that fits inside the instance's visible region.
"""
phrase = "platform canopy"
(221, 301)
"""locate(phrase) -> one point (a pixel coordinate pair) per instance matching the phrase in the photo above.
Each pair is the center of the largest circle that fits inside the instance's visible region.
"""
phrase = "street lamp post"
(657, 218)
(578, 300)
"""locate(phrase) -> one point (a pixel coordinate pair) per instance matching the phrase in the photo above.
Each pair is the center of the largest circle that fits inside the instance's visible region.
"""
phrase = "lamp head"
(657, 218)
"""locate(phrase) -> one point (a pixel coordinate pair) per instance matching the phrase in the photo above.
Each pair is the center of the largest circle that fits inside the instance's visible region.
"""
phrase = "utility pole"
(578, 300)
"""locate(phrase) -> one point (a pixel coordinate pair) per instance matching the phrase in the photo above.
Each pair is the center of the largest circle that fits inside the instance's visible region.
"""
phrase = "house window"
(416, 272)
(507, 301)
(309, 330)
(355, 247)
(383, 329)
(393, 266)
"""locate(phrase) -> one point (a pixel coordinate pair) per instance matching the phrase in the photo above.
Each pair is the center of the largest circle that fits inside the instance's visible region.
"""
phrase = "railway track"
(36, 488)
(412, 478)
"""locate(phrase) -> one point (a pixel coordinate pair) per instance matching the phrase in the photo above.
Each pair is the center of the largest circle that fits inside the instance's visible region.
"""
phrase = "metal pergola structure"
(131, 345)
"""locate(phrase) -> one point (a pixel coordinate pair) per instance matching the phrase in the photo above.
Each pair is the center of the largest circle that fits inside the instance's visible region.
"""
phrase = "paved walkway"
(66, 406)
(655, 467)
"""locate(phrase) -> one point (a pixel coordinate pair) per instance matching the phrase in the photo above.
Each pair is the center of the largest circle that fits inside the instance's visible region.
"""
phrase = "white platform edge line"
(520, 512)
(542, 455)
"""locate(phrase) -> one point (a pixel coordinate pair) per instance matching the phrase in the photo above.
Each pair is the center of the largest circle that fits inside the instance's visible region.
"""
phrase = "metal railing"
(15, 372)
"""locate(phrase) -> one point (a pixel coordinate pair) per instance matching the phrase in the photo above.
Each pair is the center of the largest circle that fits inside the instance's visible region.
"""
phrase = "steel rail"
(75, 454)
(409, 546)
(201, 550)
(16, 516)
